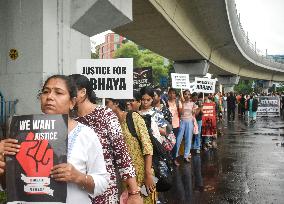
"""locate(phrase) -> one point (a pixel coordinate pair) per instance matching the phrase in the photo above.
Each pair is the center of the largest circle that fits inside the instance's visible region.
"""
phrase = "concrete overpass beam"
(193, 68)
(91, 17)
(228, 82)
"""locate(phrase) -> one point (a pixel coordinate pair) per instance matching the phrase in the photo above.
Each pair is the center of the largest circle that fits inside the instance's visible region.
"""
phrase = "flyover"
(189, 31)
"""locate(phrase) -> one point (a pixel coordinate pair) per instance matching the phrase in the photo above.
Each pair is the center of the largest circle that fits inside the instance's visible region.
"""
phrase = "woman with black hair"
(105, 123)
(85, 171)
(140, 148)
(186, 126)
(158, 123)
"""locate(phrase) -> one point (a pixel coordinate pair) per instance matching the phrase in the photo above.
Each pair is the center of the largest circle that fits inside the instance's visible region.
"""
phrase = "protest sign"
(192, 87)
(43, 140)
(209, 127)
(180, 81)
(205, 85)
(110, 78)
(268, 106)
(142, 77)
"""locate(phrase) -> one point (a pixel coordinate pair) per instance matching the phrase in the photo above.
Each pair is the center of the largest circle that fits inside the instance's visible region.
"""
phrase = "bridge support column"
(46, 37)
(193, 68)
(228, 82)
(267, 85)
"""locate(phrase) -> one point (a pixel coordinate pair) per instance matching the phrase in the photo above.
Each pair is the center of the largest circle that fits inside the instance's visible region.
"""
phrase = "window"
(116, 38)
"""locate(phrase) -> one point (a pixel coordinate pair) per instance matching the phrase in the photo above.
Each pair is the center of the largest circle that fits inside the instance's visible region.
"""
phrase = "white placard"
(204, 85)
(110, 78)
(192, 87)
(180, 81)
(268, 106)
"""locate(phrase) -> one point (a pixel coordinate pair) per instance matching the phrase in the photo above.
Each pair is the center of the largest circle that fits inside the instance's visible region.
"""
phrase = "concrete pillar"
(228, 82)
(193, 68)
(267, 85)
(43, 34)
(228, 88)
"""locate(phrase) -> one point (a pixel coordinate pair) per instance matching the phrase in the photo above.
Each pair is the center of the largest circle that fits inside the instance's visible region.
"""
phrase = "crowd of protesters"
(106, 157)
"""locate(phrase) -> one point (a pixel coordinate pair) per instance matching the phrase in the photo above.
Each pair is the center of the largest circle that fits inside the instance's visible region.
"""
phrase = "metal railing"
(248, 47)
(8, 109)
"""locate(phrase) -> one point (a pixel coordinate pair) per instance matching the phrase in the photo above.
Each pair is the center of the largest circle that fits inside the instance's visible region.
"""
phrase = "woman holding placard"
(85, 172)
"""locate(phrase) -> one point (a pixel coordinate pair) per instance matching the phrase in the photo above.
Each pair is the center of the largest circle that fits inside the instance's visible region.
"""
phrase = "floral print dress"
(106, 124)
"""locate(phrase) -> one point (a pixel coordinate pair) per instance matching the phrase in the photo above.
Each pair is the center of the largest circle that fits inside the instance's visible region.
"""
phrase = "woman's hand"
(65, 172)
(181, 96)
(2, 161)
(149, 183)
(10, 146)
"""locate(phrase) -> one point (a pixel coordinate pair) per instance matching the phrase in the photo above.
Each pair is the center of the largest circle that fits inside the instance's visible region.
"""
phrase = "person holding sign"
(85, 172)
(106, 124)
(186, 126)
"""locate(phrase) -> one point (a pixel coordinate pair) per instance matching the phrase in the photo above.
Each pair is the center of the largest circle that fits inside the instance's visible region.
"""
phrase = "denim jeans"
(197, 138)
(173, 152)
(186, 130)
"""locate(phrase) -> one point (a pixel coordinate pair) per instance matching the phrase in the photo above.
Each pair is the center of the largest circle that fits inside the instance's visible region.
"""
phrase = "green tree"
(128, 49)
(244, 86)
(150, 59)
(144, 58)
(95, 55)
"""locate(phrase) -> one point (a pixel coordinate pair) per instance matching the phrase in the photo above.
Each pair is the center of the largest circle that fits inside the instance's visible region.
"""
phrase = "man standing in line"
(231, 105)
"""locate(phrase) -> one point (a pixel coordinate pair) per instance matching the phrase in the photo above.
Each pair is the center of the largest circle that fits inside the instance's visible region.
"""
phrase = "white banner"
(268, 106)
(110, 78)
(35, 180)
(204, 85)
(180, 81)
(38, 189)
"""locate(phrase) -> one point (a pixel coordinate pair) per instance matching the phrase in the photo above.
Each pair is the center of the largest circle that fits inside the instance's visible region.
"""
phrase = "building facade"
(112, 42)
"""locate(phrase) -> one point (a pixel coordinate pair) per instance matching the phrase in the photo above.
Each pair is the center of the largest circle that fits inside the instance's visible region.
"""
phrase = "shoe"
(188, 158)
(209, 145)
(176, 162)
(197, 151)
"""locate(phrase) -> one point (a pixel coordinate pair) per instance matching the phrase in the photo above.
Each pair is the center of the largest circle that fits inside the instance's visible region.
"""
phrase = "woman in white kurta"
(85, 154)
(85, 171)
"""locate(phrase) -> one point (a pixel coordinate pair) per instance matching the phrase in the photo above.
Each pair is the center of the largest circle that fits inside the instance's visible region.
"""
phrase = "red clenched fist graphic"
(35, 157)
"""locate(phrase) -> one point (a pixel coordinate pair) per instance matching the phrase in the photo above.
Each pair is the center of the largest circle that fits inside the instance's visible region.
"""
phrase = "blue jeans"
(197, 138)
(186, 130)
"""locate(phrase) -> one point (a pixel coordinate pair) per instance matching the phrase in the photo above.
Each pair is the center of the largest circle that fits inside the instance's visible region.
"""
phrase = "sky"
(264, 22)
(262, 19)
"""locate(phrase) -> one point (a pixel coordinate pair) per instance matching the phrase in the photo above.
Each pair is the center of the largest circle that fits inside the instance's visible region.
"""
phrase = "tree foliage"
(144, 58)
(128, 49)
(244, 86)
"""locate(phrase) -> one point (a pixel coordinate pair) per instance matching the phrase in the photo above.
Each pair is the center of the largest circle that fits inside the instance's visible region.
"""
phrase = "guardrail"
(244, 42)
(8, 109)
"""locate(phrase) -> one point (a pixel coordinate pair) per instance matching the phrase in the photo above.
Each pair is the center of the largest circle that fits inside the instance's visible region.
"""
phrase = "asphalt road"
(246, 167)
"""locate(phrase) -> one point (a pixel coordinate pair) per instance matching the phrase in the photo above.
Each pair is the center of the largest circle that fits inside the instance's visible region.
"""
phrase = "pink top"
(173, 109)
(188, 108)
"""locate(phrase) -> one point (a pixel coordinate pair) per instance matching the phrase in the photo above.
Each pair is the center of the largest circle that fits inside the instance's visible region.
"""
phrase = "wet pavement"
(246, 167)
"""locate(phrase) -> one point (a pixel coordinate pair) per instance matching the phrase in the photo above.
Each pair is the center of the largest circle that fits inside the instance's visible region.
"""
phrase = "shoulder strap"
(131, 127)
(130, 124)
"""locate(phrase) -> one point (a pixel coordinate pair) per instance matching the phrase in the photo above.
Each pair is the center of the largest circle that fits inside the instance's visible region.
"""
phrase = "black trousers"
(231, 113)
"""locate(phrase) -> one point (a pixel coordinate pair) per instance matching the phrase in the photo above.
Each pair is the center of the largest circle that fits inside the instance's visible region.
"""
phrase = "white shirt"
(86, 155)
